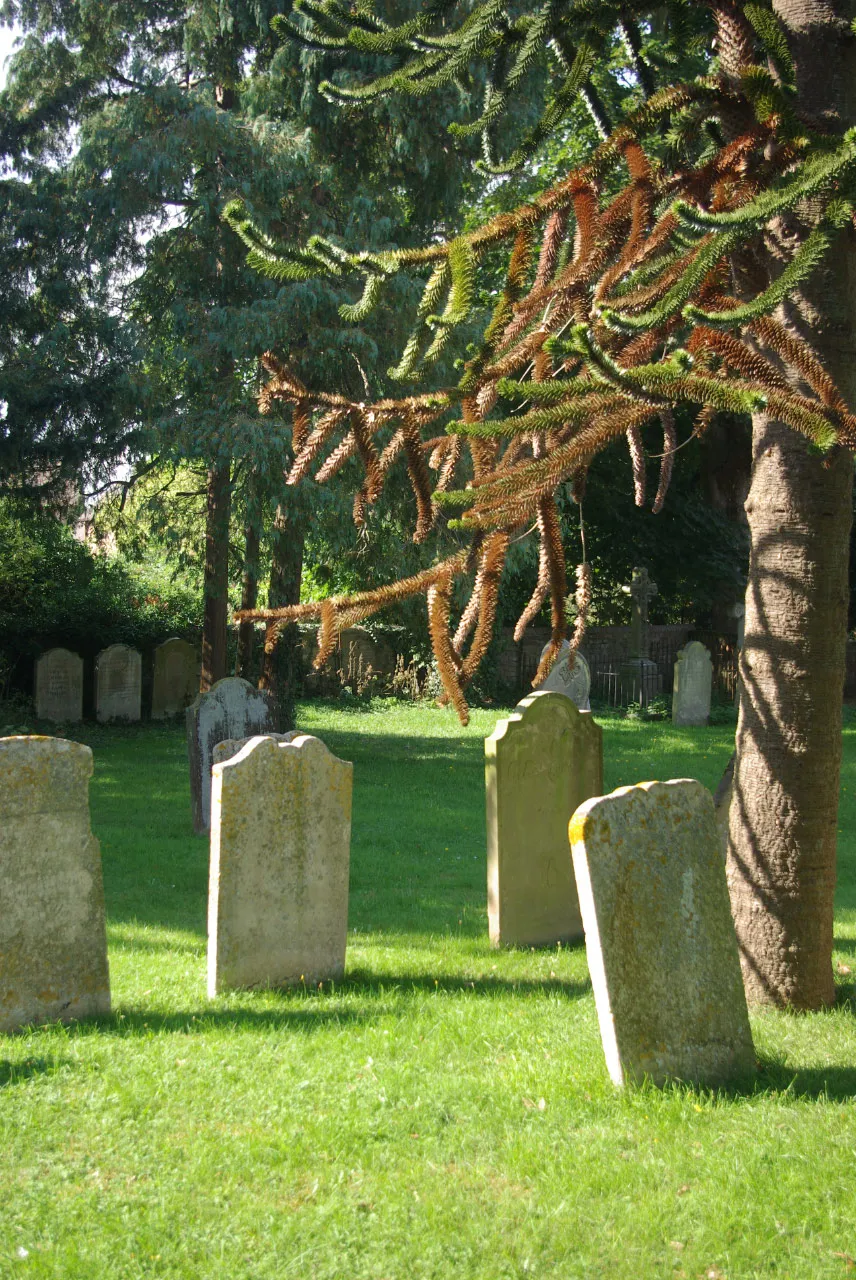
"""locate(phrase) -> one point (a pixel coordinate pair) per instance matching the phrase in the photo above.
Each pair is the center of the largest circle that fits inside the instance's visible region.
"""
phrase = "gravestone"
(53, 944)
(639, 676)
(59, 686)
(118, 683)
(661, 945)
(691, 689)
(573, 680)
(231, 746)
(232, 708)
(280, 849)
(176, 678)
(540, 764)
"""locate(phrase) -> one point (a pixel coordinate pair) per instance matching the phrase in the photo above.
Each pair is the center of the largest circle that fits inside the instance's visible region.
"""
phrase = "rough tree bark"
(249, 599)
(281, 667)
(782, 822)
(216, 580)
(215, 621)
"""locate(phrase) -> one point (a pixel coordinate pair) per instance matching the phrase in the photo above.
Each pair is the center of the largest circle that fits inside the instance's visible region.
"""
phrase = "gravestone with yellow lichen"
(660, 938)
(53, 943)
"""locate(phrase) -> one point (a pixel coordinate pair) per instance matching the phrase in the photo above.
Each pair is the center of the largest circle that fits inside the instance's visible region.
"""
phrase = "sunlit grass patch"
(443, 1111)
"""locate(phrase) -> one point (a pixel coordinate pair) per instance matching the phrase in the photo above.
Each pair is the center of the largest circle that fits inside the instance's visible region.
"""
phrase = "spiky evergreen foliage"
(511, 44)
(629, 310)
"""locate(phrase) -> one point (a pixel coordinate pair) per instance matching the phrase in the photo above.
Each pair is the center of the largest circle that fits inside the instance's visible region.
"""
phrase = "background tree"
(153, 116)
(683, 265)
(67, 410)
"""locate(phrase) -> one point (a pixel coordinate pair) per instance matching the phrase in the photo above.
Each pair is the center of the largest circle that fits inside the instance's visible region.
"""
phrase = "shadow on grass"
(363, 982)
(19, 1072)
(307, 1009)
(832, 1084)
(124, 945)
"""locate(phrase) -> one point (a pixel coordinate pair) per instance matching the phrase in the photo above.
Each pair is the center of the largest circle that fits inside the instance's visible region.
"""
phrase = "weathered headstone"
(59, 686)
(540, 764)
(118, 683)
(639, 676)
(176, 678)
(571, 679)
(691, 689)
(231, 709)
(53, 944)
(231, 746)
(280, 849)
(662, 950)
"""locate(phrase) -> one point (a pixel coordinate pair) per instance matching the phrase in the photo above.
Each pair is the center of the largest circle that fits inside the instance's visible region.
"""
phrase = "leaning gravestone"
(660, 939)
(59, 686)
(176, 678)
(540, 764)
(232, 708)
(118, 684)
(53, 944)
(280, 849)
(573, 680)
(691, 690)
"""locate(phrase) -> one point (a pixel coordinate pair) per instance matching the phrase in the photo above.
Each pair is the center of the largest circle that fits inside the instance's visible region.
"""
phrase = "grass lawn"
(446, 1112)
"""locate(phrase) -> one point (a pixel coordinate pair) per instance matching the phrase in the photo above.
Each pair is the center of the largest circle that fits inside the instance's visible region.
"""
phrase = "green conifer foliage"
(619, 304)
(130, 126)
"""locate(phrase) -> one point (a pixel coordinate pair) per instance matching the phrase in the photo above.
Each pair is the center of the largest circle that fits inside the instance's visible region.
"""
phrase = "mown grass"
(446, 1110)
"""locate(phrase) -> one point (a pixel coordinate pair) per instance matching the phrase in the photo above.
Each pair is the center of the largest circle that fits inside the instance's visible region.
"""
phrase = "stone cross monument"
(640, 679)
(641, 591)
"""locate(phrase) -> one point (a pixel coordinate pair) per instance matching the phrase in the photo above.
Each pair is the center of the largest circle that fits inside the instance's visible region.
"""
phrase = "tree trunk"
(782, 825)
(281, 668)
(782, 822)
(216, 582)
(249, 598)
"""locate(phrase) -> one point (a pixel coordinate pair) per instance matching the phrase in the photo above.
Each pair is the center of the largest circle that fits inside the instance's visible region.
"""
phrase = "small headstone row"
(118, 683)
(278, 887)
(693, 681)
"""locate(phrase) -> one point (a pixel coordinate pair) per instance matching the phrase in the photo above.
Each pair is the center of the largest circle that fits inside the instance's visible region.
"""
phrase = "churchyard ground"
(446, 1110)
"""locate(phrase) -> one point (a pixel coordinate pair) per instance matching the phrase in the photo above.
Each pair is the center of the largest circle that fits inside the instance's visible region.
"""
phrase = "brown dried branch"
(637, 457)
(315, 441)
(582, 597)
(337, 458)
(362, 424)
(448, 662)
(670, 444)
(539, 595)
(797, 355)
(490, 572)
(419, 479)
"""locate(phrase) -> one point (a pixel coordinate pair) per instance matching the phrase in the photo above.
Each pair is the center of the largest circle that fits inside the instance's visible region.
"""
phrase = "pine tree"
(686, 264)
(67, 400)
(154, 116)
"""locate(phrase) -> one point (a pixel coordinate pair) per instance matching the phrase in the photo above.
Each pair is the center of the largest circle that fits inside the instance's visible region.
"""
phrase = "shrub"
(55, 590)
